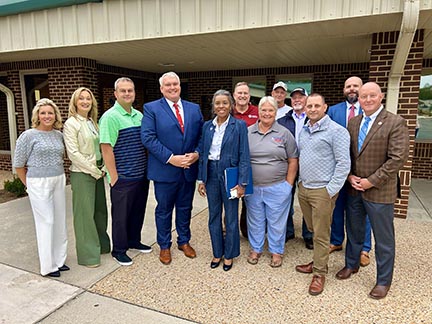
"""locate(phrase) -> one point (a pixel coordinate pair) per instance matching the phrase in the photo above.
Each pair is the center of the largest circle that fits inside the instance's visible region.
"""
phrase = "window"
(424, 116)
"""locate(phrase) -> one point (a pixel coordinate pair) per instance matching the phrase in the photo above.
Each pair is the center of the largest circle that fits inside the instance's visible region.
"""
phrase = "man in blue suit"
(341, 113)
(170, 130)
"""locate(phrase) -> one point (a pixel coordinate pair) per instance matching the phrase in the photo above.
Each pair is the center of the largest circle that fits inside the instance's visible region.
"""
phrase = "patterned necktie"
(363, 132)
(351, 113)
(179, 118)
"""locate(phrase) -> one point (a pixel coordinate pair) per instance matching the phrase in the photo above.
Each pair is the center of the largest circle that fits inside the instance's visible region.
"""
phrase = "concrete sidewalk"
(26, 297)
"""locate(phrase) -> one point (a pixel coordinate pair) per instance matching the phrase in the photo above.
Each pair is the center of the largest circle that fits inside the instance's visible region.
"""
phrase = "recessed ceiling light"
(166, 64)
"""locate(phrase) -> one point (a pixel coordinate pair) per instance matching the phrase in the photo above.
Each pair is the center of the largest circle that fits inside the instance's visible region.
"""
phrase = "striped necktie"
(363, 132)
(179, 118)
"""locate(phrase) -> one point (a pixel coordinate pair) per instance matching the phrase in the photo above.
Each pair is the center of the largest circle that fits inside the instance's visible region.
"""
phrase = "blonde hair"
(35, 113)
(73, 109)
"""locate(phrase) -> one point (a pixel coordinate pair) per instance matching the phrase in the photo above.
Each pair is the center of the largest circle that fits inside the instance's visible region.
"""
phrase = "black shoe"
(309, 243)
(54, 274)
(142, 248)
(227, 267)
(64, 267)
(122, 259)
(289, 237)
(214, 265)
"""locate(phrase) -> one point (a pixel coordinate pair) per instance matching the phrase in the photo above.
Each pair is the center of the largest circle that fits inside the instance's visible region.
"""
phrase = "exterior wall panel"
(122, 20)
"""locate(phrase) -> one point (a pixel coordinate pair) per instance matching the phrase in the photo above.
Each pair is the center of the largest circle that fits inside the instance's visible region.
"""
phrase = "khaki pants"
(317, 208)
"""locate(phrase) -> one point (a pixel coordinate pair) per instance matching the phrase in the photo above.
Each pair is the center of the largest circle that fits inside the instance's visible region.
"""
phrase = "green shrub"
(15, 186)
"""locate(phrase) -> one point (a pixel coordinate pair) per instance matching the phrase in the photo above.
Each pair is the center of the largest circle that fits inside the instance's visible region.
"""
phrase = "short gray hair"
(168, 74)
(268, 99)
(123, 79)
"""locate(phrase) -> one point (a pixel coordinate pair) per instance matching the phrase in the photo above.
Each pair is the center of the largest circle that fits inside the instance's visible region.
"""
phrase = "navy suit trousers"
(168, 195)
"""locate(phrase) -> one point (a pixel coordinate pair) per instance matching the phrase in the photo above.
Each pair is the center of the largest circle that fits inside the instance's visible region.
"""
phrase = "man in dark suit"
(379, 149)
(341, 113)
(170, 130)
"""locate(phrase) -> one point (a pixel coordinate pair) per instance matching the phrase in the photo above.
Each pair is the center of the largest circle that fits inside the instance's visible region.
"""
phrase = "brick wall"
(382, 52)
(327, 80)
(422, 161)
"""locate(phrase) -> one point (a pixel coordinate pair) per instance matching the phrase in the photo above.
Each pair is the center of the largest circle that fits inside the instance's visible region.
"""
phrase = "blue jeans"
(229, 247)
(267, 208)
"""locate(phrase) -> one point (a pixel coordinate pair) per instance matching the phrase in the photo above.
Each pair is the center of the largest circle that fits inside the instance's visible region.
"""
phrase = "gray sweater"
(324, 160)
(41, 152)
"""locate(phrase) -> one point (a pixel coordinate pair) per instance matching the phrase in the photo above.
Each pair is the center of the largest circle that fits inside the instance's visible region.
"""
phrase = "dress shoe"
(334, 248)
(364, 259)
(54, 274)
(305, 268)
(187, 250)
(289, 237)
(317, 285)
(165, 256)
(345, 273)
(379, 292)
(215, 264)
(64, 267)
(227, 267)
(308, 243)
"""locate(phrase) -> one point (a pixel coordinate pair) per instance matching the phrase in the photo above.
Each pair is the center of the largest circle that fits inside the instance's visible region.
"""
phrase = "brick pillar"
(382, 52)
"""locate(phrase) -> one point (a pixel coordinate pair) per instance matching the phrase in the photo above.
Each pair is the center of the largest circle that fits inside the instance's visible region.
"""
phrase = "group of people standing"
(273, 147)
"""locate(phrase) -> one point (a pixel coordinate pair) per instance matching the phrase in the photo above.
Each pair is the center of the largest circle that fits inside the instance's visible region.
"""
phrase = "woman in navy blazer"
(223, 144)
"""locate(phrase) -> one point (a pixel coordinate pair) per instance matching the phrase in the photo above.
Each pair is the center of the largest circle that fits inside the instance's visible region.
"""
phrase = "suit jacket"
(234, 149)
(162, 136)
(338, 113)
(384, 152)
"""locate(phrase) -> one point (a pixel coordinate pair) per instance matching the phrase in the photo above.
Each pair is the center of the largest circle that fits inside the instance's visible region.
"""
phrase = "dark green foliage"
(15, 186)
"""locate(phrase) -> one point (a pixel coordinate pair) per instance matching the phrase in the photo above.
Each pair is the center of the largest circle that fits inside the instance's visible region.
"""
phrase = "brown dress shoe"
(364, 259)
(165, 256)
(345, 273)
(334, 248)
(187, 250)
(379, 292)
(305, 268)
(317, 285)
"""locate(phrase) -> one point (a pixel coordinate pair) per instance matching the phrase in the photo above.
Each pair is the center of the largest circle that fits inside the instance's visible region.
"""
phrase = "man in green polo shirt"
(126, 161)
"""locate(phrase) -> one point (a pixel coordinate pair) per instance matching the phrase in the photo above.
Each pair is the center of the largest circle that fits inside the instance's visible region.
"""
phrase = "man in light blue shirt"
(324, 166)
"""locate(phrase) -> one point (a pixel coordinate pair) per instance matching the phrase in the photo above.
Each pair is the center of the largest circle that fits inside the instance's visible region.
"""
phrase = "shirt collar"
(214, 122)
(121, 110)
(357, 104)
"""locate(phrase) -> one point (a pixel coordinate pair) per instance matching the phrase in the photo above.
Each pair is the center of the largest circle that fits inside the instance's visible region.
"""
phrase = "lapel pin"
(380, 123)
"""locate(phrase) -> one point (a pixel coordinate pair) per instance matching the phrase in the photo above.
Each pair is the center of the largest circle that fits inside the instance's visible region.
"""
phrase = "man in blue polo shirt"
(126, 161)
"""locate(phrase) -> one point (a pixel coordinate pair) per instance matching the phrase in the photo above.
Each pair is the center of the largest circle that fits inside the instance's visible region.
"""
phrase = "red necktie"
(351, 113)
(179, 118)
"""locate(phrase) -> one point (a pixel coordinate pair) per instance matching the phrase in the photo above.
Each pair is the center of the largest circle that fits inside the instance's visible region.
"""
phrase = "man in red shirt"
(244, 110)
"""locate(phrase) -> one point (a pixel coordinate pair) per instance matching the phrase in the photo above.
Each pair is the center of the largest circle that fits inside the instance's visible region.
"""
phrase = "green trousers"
(90, 218)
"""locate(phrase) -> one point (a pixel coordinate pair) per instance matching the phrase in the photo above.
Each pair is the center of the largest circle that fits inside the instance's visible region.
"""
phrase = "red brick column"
(382, 52)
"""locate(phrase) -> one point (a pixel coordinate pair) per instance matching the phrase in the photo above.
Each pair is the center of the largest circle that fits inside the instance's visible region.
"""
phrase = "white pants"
(48, 202)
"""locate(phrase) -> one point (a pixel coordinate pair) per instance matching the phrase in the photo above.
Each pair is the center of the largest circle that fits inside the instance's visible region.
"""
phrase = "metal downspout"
(408, 28)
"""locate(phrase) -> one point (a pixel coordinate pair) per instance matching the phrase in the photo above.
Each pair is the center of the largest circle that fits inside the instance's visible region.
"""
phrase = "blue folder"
(231, 180)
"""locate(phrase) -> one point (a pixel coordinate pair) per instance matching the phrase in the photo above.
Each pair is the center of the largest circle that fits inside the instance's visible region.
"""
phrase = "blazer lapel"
(186, 117)
(228, 131)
